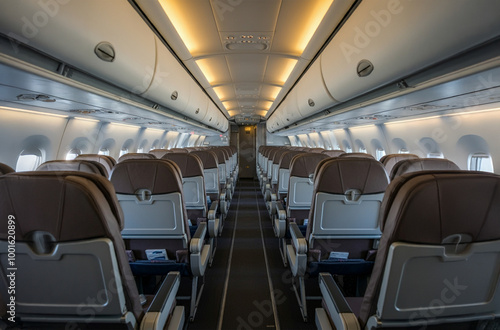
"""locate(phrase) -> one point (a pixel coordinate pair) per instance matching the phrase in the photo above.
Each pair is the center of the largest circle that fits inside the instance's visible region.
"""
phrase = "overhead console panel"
(109, 40)
(383, 42)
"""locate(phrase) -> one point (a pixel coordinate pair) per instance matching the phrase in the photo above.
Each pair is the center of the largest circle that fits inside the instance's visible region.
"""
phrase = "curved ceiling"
(245, 54)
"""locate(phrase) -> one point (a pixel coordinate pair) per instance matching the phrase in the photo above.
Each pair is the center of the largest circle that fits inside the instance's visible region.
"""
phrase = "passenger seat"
(71, 269)
(437, 263)
(151, 196)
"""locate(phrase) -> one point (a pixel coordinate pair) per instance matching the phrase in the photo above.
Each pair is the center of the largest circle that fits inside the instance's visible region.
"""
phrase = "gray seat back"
(210, 170)
(438, 255)
(193, 184)
(150, 194)
(348, 193)
(301, 183)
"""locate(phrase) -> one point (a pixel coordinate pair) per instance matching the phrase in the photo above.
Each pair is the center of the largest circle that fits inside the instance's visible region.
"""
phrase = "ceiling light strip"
(33, 112)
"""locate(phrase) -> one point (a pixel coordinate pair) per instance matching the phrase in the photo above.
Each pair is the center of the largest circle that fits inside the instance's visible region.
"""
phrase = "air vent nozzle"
(105, 51)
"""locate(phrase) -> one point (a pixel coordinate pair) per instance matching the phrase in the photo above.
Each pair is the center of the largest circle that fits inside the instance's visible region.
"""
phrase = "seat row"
(331, 212)
(436, 265)
(167, 207)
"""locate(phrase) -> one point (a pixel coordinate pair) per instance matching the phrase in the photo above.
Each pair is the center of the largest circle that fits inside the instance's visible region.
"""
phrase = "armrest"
(213, 221)
(200, 252)
(157, 315)
(336, 305)
(297, 251)
(280, 220)
(213, 210)
(298, 240)
(197, 240)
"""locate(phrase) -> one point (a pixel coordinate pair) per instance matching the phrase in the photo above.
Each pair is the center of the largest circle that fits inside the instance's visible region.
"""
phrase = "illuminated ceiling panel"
(250, 52)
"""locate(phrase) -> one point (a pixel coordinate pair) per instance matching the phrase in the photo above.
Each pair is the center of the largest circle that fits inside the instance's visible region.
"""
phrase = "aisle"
(246, 269)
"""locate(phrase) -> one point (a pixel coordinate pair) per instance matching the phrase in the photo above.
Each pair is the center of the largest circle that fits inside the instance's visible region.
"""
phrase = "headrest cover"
(286, 158)
(163, 177)
(337, 175)
(208, 158)
(221, 155)
(158, 153)
(422, 164)
(135, 155)
(390, 160)
(4, 169)
(107, 161)
(333, 153)
(68, 205)
(429, 207)
(189, 164)
(277, 155)
(356, 155)
(70, 165)
(179, 150)
(304, 165)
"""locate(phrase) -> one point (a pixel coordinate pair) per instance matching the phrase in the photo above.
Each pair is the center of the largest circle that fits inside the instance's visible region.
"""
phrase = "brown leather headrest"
(158, 153)
(356, 155)
(189, 164)
(68, 205)
(5, 169)
(303, 165)
(107, 161)
(390, 160)
(333, 153)
(337, 175)
(72, 165)
(162, 176)
(136, 155)
(422, 164)
(208, 158)
(286, 158)
(436, 207)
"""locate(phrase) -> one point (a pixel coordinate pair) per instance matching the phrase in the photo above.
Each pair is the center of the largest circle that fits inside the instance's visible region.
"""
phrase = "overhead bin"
(198, 103)
(109, 40)
(308, 97)
(383, 42)
(311, 93)
(397, 38)
(288, 110)
(72, 30)
(171, 86)
(275, 122)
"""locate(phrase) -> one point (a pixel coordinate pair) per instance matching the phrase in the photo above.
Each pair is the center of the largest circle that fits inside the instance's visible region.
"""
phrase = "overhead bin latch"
(364, 68)
(105, 51)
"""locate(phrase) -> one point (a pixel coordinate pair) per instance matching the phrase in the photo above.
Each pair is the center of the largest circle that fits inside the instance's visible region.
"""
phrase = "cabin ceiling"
(245, 54)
